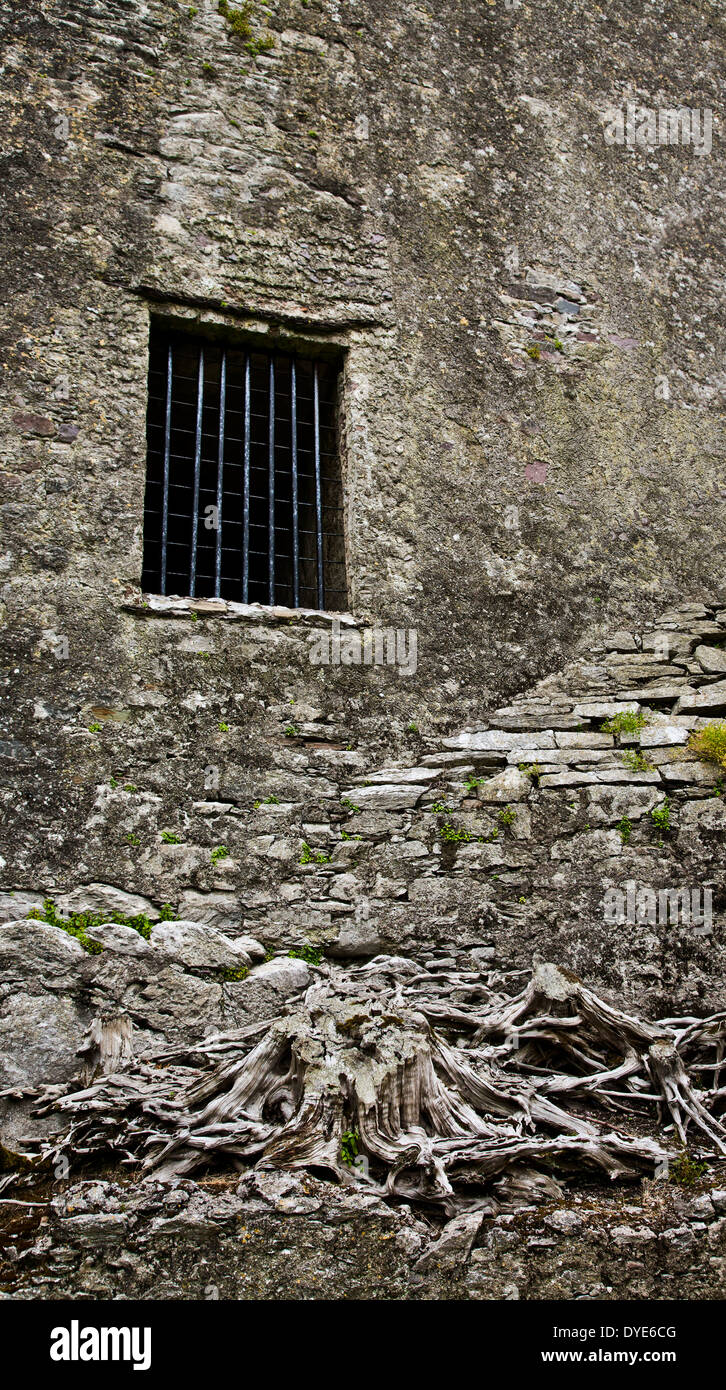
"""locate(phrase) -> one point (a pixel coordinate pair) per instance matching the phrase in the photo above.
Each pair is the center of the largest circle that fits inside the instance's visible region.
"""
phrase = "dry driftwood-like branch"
(369, 1078)
(108, 1044)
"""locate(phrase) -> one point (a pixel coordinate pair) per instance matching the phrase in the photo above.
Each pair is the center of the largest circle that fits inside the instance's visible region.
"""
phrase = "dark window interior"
(253, 435)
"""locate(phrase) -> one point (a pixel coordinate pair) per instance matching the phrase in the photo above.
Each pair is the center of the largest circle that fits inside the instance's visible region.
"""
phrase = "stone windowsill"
(156, 606)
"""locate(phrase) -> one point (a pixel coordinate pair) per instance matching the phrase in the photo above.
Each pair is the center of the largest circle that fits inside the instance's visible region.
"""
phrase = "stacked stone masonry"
(530, 323)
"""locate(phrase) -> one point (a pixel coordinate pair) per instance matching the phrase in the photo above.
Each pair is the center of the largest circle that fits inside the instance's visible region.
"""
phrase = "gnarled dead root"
(441, 1100)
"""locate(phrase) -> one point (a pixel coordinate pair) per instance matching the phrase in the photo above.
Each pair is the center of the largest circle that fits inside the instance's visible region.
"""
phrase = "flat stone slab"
(561, 755)
(610, 778)
(357, 938)
(400, 775)
(708, 697)
(568, 779)
(499, 740)
(663, 735)
(589, 739)
(661, 690)
(702, 774)
(458, 760)
(386, 796)
(605, 709)
(618, 778)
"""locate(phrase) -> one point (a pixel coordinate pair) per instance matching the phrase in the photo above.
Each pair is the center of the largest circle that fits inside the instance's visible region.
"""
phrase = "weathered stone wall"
(490, 851)
(433, 192)
(497, 845)
(280, 1236)
(531, 441)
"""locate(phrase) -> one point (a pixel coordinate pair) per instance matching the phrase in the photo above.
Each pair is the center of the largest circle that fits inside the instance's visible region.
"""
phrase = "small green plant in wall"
(219, 852)
(78, 923)
(310, 954)
(223, 728)
(625, 827)
(232, 975)
(709, 743)
(312, 856)
(239, 21)
(531, 770)
(349, 805)
(349, 1146)
(636, 761)
(170, 837)
(661, 816)
(454, 834)
(686, 1170)
(507, 816)
(628, 722)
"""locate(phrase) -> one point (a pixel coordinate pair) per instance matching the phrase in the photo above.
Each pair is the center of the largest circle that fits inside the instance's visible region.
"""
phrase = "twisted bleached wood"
(442, 1118)
(108, 1044)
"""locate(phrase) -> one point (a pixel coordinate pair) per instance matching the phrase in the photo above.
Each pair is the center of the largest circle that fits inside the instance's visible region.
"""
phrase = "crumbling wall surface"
(282, 1236)
(533, 392)
(576, 823)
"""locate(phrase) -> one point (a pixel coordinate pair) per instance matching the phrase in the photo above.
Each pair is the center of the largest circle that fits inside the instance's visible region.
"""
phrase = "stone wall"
(502, 839)
(432, 192)
(494, 850)
(273, 1236)
(531, 444)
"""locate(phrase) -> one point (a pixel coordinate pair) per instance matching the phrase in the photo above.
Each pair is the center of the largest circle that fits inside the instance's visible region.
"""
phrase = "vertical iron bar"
(318, 496)
(271, 485)
(220, 474)
(197, 472)
(246, 491)
(295, 532)
(167, 446)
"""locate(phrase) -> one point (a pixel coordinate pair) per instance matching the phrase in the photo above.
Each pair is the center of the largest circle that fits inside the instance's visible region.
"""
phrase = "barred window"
(243, 487)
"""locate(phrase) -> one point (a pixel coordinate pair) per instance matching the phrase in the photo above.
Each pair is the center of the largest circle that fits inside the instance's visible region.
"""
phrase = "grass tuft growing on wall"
(709, 743)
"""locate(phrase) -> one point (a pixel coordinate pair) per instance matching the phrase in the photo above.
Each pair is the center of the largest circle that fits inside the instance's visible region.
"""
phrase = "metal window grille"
(243, 489)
